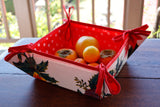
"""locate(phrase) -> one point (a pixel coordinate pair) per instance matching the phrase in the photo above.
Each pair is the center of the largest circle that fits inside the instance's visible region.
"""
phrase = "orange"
(106, 56)
(66, 53)
(93, 64)
(91, 54)
(80, 60)
(83, 42)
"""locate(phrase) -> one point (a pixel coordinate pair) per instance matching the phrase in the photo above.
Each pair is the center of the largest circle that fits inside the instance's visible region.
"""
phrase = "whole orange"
(66, 53)
(106, 56)
(83, 42)
(91, 54)
(80, 60)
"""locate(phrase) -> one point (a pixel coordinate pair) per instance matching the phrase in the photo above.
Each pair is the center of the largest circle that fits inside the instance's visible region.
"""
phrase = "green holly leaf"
(118, 65)
(29, 60)
(42, 66)
(81, 83)
(19, 57)
(46, 77)
(131, 50)
(28, 66)
(25, 67)
(93, 81)
(79, 91)
(111, 72)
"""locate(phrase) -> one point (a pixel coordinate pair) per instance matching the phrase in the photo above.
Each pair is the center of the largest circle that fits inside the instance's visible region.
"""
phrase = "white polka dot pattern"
(57, 38)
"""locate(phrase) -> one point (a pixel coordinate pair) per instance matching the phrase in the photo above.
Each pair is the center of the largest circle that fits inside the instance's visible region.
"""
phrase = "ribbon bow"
(68, 14)
(18, 49)
(105, 76)
(133, 35)
(22, 48)
(68, 35)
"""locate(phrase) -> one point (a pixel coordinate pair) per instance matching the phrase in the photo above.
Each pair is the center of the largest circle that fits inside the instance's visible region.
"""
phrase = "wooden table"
(139, 79)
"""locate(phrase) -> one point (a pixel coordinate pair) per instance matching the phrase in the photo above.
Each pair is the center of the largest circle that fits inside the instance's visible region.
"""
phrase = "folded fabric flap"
(112, 83)
(18, 49)
(136, 37)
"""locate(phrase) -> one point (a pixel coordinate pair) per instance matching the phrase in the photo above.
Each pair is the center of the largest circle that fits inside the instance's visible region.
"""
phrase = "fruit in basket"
(93, 64)
(91, 54)
(83, 42)
(66, 53)
(106, 56)
(80, 60)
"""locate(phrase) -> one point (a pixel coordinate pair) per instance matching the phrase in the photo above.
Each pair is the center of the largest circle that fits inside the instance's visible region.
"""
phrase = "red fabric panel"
(67, 35)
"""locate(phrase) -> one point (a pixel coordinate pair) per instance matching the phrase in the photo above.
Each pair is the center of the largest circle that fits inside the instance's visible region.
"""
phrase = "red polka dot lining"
(67, 35)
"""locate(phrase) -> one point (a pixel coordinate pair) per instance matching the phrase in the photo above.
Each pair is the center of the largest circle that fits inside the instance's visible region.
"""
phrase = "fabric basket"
(39, 61)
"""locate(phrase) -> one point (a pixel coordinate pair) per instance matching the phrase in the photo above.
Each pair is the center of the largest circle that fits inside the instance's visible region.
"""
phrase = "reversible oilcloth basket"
(39, 61)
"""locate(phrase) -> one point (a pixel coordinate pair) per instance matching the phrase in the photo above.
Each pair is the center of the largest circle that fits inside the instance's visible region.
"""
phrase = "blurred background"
(36, 18)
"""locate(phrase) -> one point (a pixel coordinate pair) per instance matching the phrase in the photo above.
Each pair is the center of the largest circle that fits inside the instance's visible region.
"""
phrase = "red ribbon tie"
(68, 14)
(133, 35)
(105, 76)
(18, 49)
